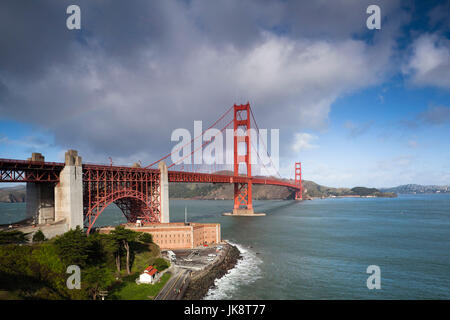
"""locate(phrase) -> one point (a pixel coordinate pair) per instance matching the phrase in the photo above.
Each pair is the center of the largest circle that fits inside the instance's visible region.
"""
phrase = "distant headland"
(312, 190)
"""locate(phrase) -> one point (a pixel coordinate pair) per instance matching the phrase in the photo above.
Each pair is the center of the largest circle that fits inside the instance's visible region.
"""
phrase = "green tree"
(98, 253)
(113, 247)
(145, 237)
(48, 268)
(123, 237)
(97, 278)
(362, 191)
(73, 247)
(15, 236)
(39, 236)
(160, 264)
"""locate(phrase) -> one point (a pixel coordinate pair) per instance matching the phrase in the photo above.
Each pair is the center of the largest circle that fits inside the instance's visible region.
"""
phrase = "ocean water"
(320, 249)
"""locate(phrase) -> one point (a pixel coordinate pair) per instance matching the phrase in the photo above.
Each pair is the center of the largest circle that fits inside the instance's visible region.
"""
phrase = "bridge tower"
(298, 180)
(242, 191)
(243, 205)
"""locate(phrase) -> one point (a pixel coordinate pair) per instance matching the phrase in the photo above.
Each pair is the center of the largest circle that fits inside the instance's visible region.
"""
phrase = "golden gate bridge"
(142, 192)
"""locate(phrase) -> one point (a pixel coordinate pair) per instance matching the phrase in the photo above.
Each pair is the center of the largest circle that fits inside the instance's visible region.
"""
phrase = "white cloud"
(330, 175)
(430, 61)
(101, 105)
(303, 141)
(123, 97)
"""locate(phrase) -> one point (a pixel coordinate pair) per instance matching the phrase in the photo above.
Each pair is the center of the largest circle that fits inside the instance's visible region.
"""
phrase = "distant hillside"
(416, 188)
(315, 190)
(210, 191)
(367, 192)
(14, 194)
(266, 192)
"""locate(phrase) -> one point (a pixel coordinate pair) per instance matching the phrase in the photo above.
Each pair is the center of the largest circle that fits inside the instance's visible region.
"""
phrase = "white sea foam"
(244, 272)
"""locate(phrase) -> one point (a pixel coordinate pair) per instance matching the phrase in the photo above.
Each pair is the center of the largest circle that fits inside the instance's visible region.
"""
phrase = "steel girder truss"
(29, 171)
(135, 191)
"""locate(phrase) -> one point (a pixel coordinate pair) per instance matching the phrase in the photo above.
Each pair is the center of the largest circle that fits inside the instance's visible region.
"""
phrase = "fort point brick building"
(178, 235)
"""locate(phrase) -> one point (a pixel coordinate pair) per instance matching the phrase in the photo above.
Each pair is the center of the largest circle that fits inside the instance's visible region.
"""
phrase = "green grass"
(145, 257)
(129, 290)
(9, 295)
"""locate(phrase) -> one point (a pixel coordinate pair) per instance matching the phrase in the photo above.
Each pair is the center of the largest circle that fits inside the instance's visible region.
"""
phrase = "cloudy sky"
(356, 106)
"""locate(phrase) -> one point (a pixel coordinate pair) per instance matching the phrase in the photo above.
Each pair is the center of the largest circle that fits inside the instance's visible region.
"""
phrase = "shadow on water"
(275, 206)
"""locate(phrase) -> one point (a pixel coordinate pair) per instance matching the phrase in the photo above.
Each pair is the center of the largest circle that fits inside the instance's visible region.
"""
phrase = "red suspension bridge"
(142, 192)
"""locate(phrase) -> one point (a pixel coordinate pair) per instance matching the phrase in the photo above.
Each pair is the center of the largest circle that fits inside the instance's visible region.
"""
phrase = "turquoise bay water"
(321, 249)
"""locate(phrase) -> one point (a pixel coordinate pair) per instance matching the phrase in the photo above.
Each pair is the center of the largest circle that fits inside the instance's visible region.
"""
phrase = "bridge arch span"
(135, 191)
(133, 204)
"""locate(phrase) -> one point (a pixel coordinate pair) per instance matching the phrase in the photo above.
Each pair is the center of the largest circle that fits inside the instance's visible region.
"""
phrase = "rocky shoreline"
(201, 283)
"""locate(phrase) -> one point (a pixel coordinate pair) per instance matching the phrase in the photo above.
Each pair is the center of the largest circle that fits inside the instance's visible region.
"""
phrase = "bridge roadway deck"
(12, 170)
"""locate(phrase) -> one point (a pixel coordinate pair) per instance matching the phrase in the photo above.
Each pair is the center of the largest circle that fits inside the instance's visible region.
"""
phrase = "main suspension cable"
(192, 140)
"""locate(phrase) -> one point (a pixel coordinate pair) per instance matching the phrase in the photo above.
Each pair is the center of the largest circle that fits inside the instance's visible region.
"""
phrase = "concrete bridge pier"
(40, 199)
(69, 192)
(62, 203)
(164, 188)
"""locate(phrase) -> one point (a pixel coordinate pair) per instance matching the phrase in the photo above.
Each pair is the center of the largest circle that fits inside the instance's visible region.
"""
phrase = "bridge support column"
(40, 199)
(298, 181)
(164, 192)
(69, 192)
(243, 205)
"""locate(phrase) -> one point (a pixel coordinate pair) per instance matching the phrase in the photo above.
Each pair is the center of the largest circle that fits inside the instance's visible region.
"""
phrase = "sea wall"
(202, 281)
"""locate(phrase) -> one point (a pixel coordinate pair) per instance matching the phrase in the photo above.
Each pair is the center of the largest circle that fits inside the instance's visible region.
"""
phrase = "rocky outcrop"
(202, 282)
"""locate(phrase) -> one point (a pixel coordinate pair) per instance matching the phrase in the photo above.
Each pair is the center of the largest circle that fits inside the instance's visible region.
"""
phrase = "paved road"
(173, 287)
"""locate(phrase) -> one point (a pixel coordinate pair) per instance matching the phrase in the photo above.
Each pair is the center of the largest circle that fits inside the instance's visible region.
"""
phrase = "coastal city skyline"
(356, 106)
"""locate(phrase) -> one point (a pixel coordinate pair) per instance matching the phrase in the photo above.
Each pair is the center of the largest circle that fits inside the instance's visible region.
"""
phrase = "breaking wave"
(244, 272)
